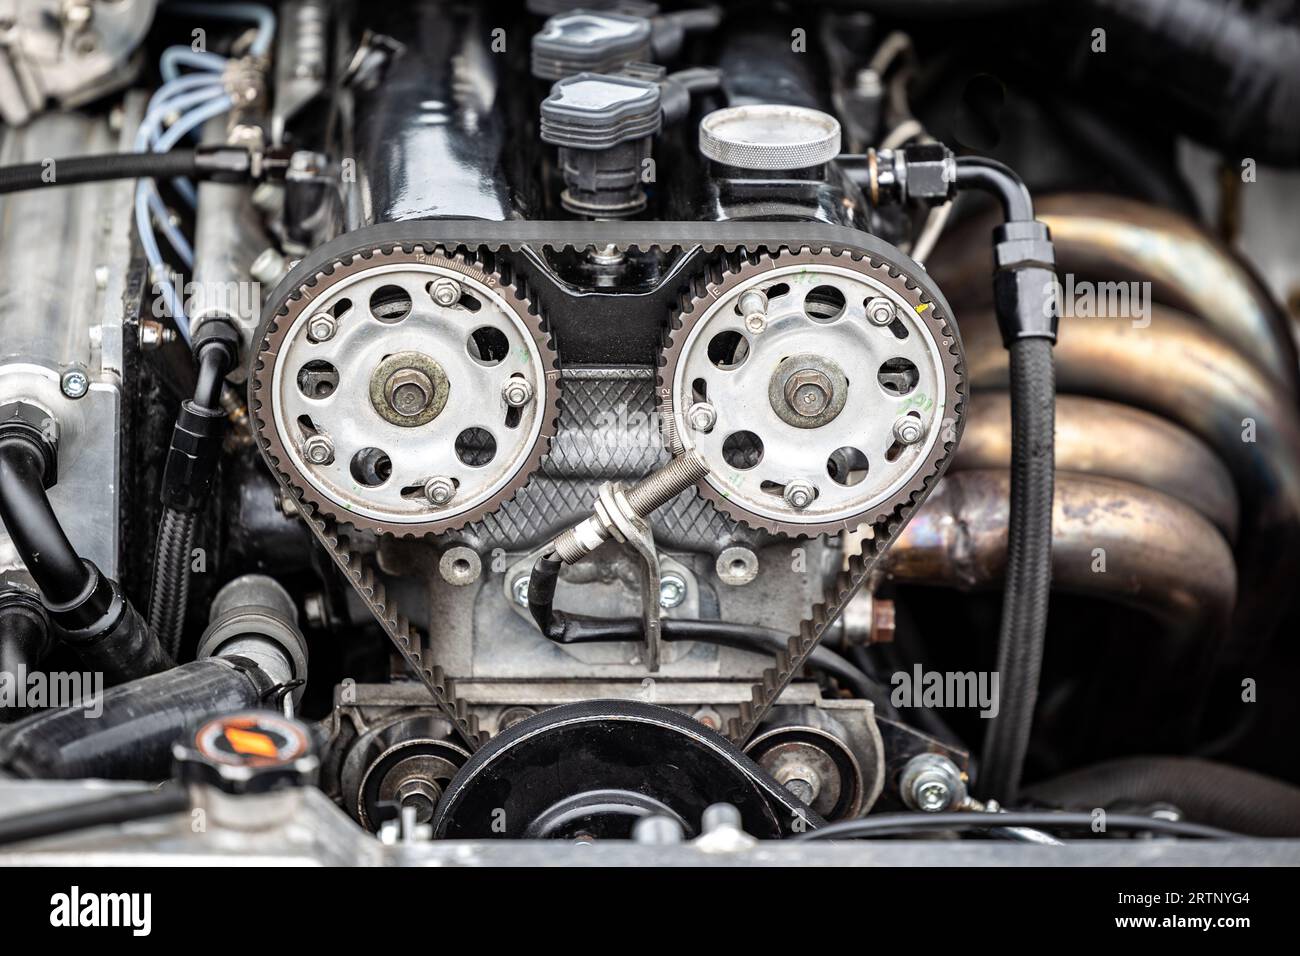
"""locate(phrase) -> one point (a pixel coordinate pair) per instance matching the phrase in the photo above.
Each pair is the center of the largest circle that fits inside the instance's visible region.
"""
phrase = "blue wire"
(264, 17)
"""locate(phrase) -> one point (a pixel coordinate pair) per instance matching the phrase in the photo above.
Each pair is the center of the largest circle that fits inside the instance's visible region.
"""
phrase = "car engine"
(681, 431)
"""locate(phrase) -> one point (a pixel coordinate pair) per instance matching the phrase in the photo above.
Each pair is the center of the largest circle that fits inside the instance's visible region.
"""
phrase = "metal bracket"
(630, 528)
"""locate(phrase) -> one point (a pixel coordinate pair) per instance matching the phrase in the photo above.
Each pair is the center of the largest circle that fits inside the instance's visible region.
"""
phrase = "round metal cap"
(770, 136)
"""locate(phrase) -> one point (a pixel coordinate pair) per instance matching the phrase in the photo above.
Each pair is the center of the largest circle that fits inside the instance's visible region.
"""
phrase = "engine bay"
(668, 428)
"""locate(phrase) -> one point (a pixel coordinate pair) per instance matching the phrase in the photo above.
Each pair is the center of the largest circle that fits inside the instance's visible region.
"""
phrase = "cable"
(583, 629)
(263, 17)
(1207, 792)
(95, 169)
(891, 824)
(107, 811)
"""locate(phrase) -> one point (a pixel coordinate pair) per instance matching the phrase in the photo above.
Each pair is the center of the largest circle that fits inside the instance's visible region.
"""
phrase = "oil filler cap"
(248, 752)
(770, 136)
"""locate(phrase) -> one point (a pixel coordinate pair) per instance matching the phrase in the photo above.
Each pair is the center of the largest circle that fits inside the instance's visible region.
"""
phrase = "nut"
(446, 292)
(322, 327)
(881, 312)
(517, 392)
(702, 417)
(318, 450)
(439, 490)
(908, 430)
(799, 494)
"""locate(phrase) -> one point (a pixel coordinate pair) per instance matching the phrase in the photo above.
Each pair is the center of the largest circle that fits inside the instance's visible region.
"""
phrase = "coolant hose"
(127, 733)
(1206, 792)
(34, 528)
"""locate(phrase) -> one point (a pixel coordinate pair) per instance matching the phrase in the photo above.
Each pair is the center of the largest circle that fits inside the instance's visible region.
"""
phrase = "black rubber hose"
(1221, 71)
(170, 594)
(581, 629)
(127, 733)
(93, 169)
(892, 824)
(105, 811)
(24, 640)
(34, 528)
(1212, 793)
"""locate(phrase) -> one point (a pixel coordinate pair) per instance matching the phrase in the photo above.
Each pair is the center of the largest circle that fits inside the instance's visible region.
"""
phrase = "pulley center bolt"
(799, 494)
(322, 327)
(439, 490)
(908, 430)
(881, 312)
(517, 392)
(702, 417)
(318, 450)
(753, 306)
(446, 292)
(808, 392)
(409, 392)
(421, 794)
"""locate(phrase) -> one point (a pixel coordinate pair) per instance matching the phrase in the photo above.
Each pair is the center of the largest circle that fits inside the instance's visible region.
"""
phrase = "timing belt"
(710, 238)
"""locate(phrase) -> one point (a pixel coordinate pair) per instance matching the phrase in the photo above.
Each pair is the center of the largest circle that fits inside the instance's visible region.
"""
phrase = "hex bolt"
(908, 430)
(881, 312)
(801, 790)
(439, 490)
(799, 494)
(322, 327)
(931, 782)
(75, 383)
(672, 590)
(519, 590)
(318, 450)
(753, 306)
(702, 417)
(517, 392)
(153, 334)
(446, 292)
(808, 392)
(409, 392)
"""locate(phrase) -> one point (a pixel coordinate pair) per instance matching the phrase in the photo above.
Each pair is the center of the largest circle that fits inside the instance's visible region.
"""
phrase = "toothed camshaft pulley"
(405, 391)
(822, 389)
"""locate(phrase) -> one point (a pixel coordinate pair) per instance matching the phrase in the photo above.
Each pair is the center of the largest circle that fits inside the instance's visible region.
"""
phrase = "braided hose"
(169, 598)
(1029, 565)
